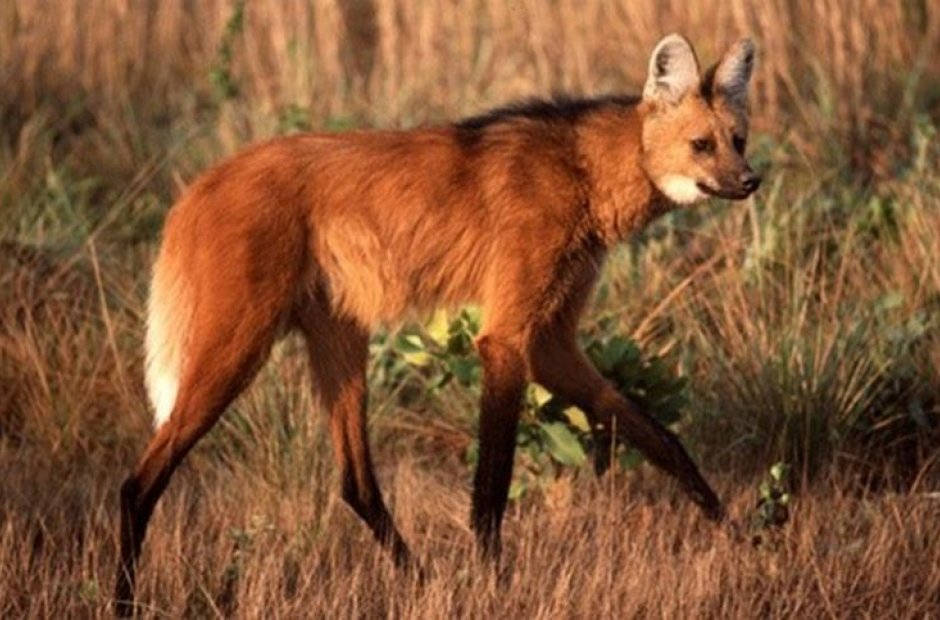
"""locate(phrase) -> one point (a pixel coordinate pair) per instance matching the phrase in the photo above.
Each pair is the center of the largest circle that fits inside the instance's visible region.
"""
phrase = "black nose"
(750, 181)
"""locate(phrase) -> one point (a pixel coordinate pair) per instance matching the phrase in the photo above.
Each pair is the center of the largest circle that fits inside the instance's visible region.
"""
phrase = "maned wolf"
(332, 235)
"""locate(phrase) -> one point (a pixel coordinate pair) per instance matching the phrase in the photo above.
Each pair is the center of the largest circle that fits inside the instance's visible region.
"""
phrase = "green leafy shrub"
(553, 435)
(773, 503)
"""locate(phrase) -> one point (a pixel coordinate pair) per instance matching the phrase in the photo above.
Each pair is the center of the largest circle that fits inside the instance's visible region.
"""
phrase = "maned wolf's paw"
(124, 608)
(706, 499)
(602, 456)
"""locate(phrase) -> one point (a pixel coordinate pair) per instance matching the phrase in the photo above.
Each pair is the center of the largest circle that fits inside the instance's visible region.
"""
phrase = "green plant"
(773, 503)
(553, 436)
(223, 82)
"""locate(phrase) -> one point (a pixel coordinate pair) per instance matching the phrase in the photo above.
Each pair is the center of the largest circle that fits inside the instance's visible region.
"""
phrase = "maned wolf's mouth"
(730, 194)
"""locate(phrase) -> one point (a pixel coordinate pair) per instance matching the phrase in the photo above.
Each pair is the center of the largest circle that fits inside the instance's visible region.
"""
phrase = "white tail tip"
(163, 388)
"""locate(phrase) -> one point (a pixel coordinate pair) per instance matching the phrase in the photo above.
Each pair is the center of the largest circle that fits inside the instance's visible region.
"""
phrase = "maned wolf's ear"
(728, 79)
(673, 70)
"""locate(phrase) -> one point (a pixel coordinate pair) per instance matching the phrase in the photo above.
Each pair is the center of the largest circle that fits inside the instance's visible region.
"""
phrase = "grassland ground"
(231, 541)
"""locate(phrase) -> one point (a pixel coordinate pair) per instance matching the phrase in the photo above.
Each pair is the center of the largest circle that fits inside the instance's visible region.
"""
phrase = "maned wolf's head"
(695, 133)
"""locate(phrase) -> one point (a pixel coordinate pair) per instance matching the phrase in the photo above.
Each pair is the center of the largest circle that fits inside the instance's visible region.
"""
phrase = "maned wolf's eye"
(703, 145)
(740, 142)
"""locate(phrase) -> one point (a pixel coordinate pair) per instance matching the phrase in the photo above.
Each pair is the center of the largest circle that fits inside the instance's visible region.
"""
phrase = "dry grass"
(862, 69)
(807, 321)
(229, 542)
(441, 55)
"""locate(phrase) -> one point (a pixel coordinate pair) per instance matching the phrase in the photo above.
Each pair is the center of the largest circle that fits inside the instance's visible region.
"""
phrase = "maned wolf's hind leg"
(338, 351)
(222, 365)
(503, 386)
(557, 363)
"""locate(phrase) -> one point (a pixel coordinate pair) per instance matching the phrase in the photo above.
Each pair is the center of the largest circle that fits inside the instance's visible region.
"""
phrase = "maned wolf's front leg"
(503, 384)
(557, 363)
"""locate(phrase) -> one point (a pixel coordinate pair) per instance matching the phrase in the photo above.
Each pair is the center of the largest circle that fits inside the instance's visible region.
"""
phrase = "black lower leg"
(136, 509)
(503, 384)
(663, 448)
(491, 490)
(366, 502)
(131, 538)
(604, 449)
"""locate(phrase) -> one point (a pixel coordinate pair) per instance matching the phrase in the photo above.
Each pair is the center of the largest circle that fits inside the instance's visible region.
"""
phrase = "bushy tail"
(169, 312)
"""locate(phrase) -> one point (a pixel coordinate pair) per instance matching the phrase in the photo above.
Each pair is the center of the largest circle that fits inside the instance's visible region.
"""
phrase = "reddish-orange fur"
(333, 235)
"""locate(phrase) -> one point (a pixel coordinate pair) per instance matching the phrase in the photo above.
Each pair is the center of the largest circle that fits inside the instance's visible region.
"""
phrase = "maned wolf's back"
(396, 228)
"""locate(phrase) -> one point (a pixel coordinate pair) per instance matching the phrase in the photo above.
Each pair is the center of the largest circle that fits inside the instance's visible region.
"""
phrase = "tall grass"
(856, 67)
(806, 320)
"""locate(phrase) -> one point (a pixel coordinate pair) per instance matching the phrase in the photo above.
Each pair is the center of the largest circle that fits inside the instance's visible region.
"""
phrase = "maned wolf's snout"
(750, 181)
(734, 186)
